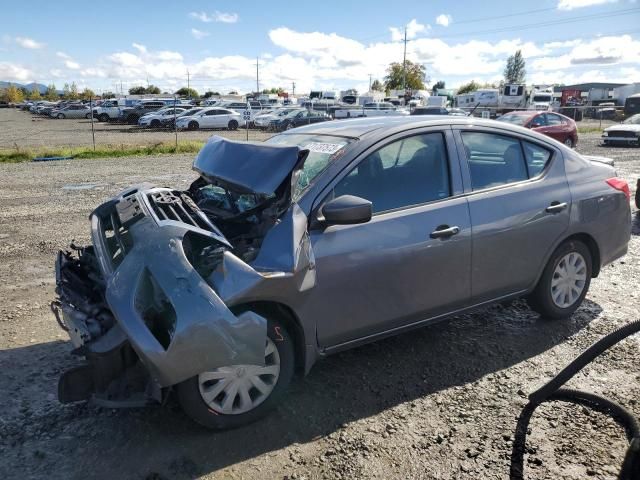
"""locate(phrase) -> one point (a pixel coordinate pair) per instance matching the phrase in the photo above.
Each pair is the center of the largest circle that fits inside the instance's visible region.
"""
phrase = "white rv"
(513, 96)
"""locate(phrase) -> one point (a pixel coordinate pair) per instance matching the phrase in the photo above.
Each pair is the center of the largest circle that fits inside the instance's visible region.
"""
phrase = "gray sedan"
(320, 239)
(72, 111)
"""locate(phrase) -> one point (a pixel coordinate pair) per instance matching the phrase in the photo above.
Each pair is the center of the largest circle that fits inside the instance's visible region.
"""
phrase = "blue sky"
(320, 45)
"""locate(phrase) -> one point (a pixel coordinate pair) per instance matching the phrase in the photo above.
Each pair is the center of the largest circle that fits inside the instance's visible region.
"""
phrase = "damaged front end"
(151, 303)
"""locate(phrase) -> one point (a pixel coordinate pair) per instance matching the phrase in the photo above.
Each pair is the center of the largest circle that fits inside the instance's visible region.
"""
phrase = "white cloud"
(14, 73)
(573, 4)
(198, 34)
(444, 19)
(139, 47)
(413, 28)
(29, 43)
(63, 55)
(71, 65)
(216, 16)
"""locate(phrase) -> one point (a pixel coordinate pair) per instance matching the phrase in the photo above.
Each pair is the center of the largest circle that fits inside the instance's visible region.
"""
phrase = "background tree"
(137, 90)
(35, 94)
(66, 91)
(152, 89)
(514, 72)
(377, 86)
(188, 92)
(414, 77)
(106, 95)
(472, 86)
(87, 94)
(439, 84)
(52, 92)
(73, 91)
(12, 94)
(351, 91)
(209, 93)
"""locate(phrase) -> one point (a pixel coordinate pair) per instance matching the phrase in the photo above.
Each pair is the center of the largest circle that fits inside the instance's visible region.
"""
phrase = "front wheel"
(569, 142)
(132, 120)
(193, 125)
(229, 397)
(61, 116)
(564, 281)
(103, 117)
(88, 116)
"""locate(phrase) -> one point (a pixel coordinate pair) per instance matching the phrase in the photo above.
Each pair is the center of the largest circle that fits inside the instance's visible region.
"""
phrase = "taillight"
(621, 185)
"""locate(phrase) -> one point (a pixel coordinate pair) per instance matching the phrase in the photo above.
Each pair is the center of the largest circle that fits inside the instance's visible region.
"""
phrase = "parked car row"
(62, 109)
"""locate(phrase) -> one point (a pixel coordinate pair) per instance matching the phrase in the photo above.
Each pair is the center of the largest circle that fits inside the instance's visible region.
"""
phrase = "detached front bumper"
(143, 305)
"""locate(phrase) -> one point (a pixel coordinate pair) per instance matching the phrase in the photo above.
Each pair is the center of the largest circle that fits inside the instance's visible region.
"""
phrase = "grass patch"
(102, 151)
(590, 129)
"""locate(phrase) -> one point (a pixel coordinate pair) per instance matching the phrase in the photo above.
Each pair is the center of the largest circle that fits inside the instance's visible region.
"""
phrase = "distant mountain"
(29, 86)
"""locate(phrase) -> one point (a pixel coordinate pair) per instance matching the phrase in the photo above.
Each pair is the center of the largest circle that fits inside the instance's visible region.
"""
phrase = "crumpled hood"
(247, 167)
(628, 127)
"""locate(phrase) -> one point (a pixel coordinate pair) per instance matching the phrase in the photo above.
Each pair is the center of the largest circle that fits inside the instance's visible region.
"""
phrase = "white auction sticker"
(328, 148)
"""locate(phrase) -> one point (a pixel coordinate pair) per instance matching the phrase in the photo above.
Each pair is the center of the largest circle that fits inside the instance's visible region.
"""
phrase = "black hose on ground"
(551, 391)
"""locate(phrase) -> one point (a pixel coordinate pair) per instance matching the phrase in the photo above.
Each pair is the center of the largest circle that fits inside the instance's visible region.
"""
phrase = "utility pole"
(404, 63)
(369, 82)
(188, 84)
(121, 90)
(257, 77)
(147, 82)
(293, 88)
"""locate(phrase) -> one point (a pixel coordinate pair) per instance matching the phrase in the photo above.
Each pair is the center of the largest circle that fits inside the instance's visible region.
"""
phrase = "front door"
(411, 261)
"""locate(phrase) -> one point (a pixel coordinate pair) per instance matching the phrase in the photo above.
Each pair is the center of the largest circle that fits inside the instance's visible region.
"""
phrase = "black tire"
(233, 125)
(103, 117)
(193, 125)
(194, 406)
(132, 120)
(155, 123)
(88, 116)
(61, 116)
(541, 301)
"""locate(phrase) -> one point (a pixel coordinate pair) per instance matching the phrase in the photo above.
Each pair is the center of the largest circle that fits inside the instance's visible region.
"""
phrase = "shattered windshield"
(323, 149)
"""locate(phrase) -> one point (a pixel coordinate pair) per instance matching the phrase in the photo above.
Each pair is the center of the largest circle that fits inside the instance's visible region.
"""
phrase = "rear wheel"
(289, 126)
(233, 125)
(88, 116)
(132, 120)
(236, 395)
(193, 125)
(103, 117)
(61, 116)
(155, 123)
(569, 142)
(564, 281)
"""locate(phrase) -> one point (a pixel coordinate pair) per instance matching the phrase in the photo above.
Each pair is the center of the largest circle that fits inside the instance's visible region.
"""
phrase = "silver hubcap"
(240, 388)
(568, 280)
(568, 142)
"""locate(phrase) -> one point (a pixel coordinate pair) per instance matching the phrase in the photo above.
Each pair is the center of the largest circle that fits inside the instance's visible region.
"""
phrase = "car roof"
(359, 127)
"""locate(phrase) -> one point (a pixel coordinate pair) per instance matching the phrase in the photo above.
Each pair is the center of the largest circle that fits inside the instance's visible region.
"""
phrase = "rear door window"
(537, 158)
(493, 159)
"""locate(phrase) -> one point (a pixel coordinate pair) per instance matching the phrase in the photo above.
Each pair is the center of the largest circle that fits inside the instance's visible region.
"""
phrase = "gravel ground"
(25, 130)
(440, 402)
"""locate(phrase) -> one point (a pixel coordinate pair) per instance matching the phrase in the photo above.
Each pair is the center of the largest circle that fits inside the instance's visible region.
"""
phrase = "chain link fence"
(92, 126)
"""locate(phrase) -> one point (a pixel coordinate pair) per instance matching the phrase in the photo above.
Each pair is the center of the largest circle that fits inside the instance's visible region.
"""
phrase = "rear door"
(411, 261)
(519, 203)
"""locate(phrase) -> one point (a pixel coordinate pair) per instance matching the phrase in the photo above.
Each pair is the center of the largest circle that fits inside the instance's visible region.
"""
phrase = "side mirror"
(347, 210)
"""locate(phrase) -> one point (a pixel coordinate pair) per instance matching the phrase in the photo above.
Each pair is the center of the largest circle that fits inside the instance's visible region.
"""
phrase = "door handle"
(444, 231)
(556, 207)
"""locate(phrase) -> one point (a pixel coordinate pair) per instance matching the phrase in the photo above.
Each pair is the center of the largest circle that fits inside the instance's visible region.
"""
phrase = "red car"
(551, 124)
